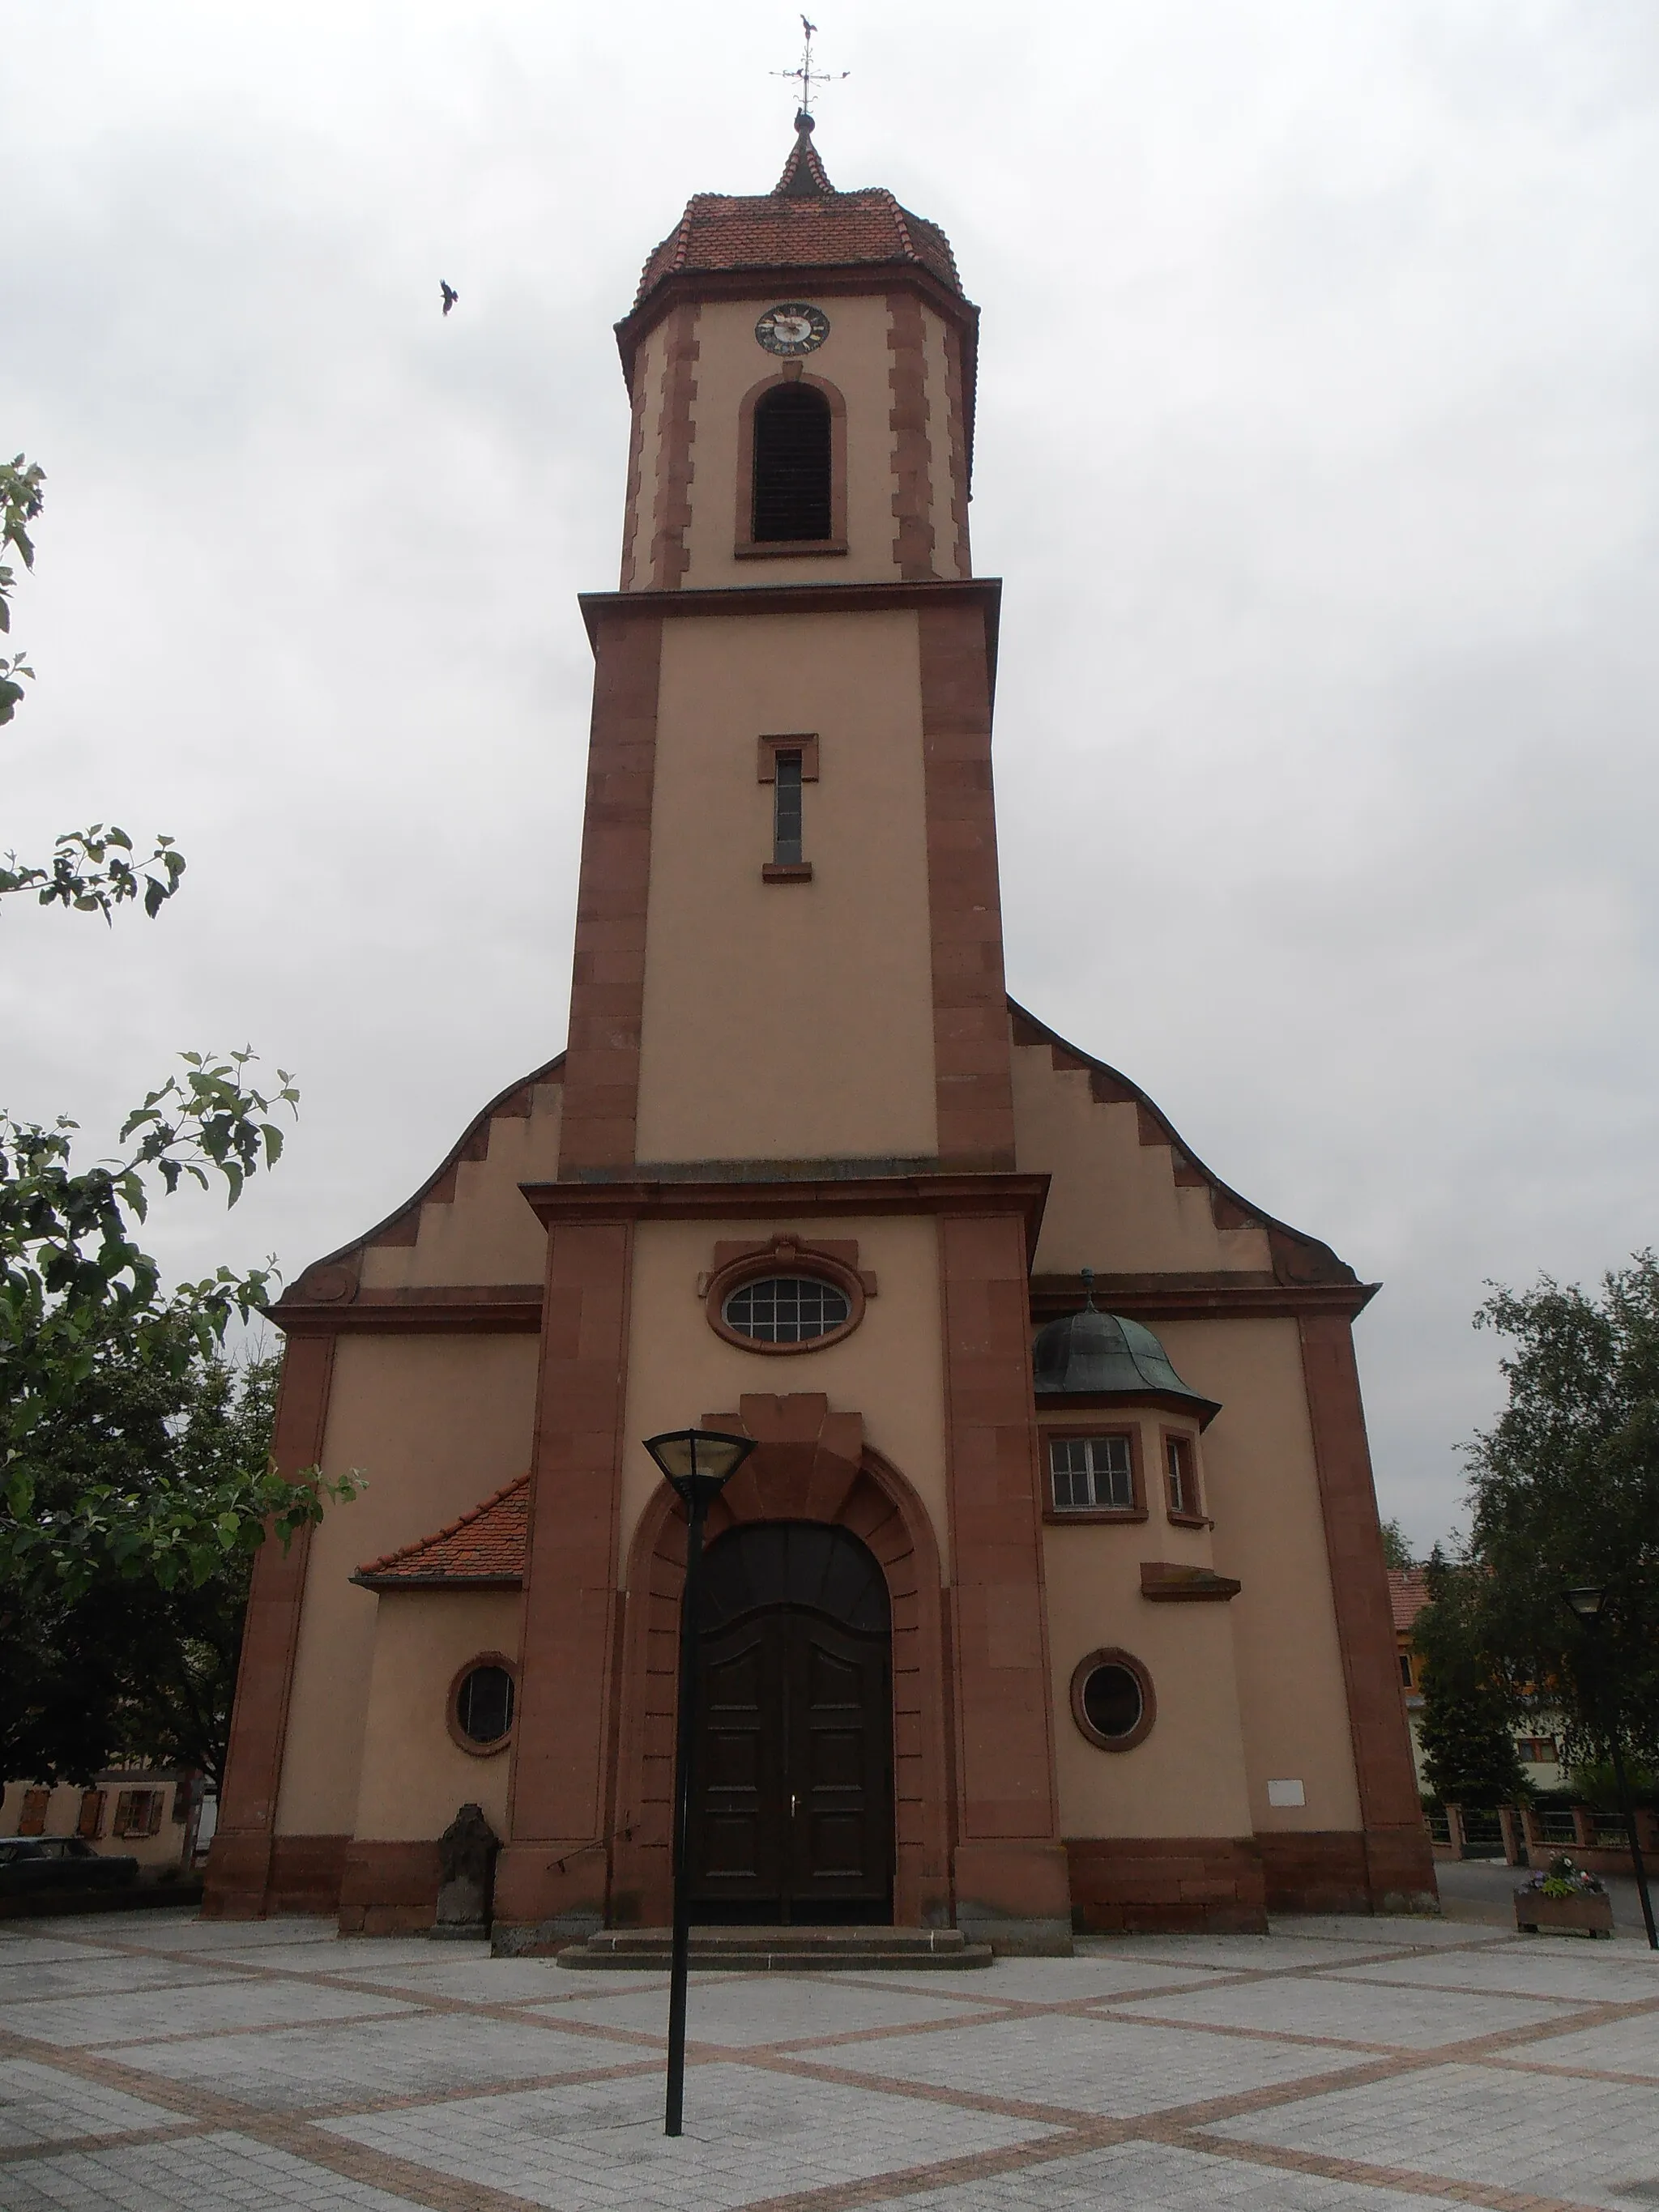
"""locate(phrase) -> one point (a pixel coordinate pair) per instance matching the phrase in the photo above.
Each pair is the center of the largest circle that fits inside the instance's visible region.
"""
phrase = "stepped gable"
(334, 1278)
(802, 222)
(484, 1550)
(1297, 1258)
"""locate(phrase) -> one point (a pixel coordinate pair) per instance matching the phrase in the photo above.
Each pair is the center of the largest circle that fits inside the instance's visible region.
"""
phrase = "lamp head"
(698, 1463)
(1588, 1602)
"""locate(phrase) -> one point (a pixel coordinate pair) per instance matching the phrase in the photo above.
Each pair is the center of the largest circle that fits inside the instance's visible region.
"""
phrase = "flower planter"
(1590, 1912)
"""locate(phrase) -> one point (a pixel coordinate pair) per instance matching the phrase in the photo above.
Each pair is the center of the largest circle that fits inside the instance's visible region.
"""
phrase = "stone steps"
(781, 1950)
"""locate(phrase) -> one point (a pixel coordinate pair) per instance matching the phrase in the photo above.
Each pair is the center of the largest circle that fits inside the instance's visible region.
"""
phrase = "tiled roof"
(484, 1545)
(804, 222)
(1408, 1590)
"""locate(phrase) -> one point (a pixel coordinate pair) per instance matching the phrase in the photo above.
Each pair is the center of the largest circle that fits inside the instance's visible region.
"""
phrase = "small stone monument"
(466, 1875)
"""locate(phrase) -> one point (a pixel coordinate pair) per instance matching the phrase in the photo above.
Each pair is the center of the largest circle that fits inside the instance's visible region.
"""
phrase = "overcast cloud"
(1317, 432)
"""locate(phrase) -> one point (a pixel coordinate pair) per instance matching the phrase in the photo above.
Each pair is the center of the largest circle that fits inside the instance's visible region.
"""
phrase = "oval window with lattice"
(787, 1309)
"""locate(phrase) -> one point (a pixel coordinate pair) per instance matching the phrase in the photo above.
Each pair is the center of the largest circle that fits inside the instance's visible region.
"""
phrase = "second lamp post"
(698, 1464)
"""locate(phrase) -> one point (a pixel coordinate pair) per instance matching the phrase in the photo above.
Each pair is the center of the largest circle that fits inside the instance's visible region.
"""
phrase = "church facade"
(1052, 1593)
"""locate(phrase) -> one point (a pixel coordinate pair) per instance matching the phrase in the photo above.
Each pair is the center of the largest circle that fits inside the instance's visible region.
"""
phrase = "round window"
(483, 1705)
(1112, 1701)
(787, 1309)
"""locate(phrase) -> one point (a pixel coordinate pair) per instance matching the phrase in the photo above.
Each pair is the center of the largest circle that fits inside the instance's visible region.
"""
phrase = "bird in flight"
(449, 294)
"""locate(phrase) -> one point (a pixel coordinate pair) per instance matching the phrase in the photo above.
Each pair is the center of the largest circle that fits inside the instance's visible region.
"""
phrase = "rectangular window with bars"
(1092, 1474)
(786, 809)
(138, 1813)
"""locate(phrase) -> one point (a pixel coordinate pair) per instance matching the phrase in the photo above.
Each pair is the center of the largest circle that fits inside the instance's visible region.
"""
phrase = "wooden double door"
(792, 1810)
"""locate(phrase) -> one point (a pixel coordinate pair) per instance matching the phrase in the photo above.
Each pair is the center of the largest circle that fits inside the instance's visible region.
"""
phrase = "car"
(29, 1864)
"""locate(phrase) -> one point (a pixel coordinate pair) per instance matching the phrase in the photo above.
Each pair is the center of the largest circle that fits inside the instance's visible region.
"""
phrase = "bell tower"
(787, 1004)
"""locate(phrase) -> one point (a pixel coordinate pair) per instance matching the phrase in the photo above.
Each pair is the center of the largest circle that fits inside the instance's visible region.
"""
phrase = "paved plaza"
(152, 2061)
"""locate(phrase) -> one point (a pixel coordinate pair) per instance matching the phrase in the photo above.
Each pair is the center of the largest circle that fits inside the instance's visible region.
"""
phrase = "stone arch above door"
(809, 1464)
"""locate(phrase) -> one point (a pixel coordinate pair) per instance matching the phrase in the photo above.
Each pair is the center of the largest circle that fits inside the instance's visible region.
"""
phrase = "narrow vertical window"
(792, 465)
(1181, 1482)
(786, 809)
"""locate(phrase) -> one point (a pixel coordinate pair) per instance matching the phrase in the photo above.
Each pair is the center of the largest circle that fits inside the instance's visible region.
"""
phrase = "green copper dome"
(1090, 1354)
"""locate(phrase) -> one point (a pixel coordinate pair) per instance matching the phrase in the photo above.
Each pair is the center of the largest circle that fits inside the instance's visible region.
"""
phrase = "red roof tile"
(1408, 1590)
(804, 222)
(484, 1545)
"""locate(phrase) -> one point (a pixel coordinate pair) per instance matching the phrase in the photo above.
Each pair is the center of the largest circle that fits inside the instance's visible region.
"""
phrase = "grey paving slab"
(1586, 1973)
(1051, 1981)
(770, 2010)
(185, 1931)
(208, 2173)
(361, 1956)
(1151, 2177)
(1239, 1954)
(1406, 2019)
(19, 1950)
(1386, 1930)
(88, 1974)
(1622, 2046)
(39, 2104)
(1593, 2142)
(748, 2136)
(422, 2055)
(138, 2016)
(1113, 2068)
(488, 1981)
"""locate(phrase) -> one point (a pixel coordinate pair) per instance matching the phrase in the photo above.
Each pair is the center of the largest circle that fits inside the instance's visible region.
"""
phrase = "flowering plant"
(1563, 1879)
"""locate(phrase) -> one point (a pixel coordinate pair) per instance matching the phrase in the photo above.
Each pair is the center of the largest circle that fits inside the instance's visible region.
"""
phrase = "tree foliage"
(113, 1662)
(1564, 1492)
(1468, 1749)
(1396, 1545)
(92, 870)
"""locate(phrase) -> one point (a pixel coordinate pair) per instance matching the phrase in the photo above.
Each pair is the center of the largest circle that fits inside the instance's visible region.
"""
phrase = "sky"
(1317, 443)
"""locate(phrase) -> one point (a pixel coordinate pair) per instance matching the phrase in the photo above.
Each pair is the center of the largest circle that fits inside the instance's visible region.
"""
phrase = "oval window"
(483, 1705)
(1112, 1700)
(787, 1309)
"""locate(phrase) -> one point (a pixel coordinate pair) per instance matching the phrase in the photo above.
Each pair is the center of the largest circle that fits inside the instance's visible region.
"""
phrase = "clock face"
(792, 328)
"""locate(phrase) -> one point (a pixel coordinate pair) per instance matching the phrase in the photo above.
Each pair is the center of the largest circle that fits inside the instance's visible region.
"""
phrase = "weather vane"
(805, 74)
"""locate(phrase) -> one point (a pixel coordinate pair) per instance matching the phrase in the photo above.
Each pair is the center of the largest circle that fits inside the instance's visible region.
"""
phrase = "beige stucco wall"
(788, 1020)
(1262, 1488)
(1187, 1777)
(1114, 1205)
(853, 358)
(890, 1369)
(486, 1233)
(415, 1776)
(436, 1423)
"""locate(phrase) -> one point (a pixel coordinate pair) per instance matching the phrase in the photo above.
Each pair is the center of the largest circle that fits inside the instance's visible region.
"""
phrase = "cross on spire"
(806, 76)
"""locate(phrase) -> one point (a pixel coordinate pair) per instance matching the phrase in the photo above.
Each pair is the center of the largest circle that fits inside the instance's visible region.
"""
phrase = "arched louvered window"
(793, 464)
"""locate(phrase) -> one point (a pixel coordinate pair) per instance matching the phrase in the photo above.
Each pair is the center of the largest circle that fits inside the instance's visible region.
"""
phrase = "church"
(1052, 1596)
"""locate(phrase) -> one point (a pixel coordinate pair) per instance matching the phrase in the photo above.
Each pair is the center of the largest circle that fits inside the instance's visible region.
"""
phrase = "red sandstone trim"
(1389, 1808)
(240, 1862)
(913, 477)
(972, 1062)
(1008, 1854)
(810, 1465)
(555, 1862)
(607, 986)
(672, 517)
(961, 458)
(635, 480)
(1164, 1883)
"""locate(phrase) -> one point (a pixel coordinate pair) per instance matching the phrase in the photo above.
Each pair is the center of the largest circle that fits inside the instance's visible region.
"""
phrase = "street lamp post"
(698, 1464)
(1590, 1603)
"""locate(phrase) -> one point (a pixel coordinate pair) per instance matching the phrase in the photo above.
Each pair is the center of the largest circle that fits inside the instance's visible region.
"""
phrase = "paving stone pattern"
(153, 2061)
